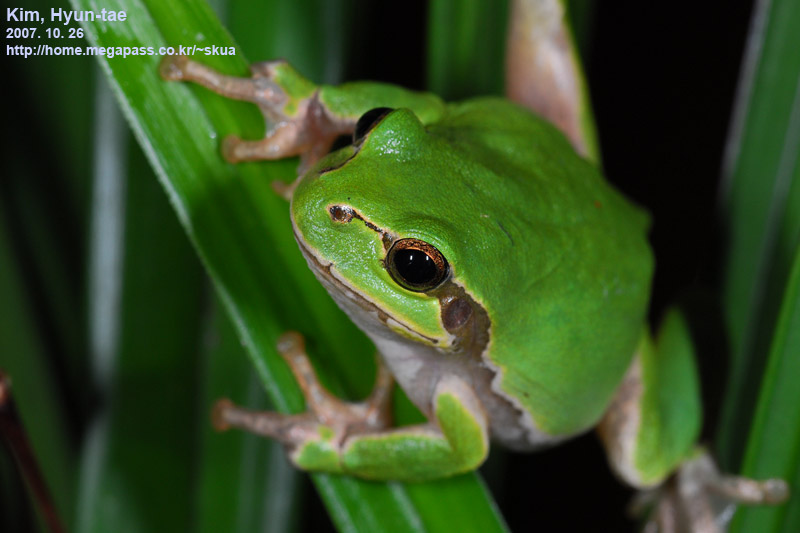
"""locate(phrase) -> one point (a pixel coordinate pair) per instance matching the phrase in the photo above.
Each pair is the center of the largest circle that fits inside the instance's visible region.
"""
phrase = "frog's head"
(370, 221)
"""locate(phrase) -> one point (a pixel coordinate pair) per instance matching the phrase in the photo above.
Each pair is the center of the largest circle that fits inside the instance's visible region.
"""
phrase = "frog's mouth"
(359, 308)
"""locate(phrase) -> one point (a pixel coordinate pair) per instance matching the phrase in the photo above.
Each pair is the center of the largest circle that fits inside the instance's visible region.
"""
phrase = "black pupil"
(415, 266)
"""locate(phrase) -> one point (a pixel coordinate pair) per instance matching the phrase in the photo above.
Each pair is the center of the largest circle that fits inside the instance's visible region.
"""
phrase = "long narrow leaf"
(774, 446)
(245, 482)
(761, 206)
(24, 359)
(146, 313)
(241, 230)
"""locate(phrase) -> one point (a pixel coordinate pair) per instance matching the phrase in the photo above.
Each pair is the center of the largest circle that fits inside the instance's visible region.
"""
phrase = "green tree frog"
(504, 282)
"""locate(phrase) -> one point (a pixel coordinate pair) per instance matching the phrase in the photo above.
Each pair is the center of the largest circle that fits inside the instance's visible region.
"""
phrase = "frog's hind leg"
(650, 433)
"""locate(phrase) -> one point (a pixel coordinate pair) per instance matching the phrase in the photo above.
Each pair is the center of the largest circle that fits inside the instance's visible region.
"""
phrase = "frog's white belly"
(418, 368)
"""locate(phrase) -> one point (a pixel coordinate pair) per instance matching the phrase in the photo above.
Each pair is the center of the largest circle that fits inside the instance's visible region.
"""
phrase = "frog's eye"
(369, 120)
(416, 265)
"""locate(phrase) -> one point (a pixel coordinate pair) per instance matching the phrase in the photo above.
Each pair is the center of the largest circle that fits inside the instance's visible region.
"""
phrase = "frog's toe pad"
(218, 418)
(172, 67)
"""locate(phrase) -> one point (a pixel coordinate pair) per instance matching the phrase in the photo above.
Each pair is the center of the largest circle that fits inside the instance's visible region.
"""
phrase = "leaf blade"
(241, 230)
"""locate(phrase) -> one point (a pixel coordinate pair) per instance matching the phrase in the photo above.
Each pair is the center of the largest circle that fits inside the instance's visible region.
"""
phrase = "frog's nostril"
(341, 213)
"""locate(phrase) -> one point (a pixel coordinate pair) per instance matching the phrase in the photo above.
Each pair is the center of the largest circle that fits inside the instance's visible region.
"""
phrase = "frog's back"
(558, 258)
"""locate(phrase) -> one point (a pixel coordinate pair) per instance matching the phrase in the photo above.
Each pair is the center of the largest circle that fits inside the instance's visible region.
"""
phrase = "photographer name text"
(64, 16)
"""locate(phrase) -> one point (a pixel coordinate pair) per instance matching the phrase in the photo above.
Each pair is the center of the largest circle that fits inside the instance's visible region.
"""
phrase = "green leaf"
(24, 358)
(241, 230)
(145, 313)
(762, 270)
(466, 47)
(761, 208)
(245, 482)
(773, 449)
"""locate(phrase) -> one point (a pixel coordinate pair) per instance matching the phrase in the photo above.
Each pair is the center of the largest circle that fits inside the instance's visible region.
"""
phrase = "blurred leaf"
(773, 448)
(24, 359)
(762, 213)
(314, 33)
(42, 195)
(581, 17)
(46, 156)
(245, 483)
(145, 312)
(466, 47)
(761, 208)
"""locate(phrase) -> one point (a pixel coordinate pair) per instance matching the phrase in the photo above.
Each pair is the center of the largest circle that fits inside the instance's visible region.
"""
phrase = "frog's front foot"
(296, 123)
(355, 438)
(314, 438)
(699, 499)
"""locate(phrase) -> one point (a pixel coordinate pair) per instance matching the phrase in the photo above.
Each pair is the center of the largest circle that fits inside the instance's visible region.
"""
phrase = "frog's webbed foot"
(296, 125)
(699, 499)
(326, 413)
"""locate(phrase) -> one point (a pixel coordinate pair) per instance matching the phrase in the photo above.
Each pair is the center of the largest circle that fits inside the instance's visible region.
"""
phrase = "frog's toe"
(699, 499)
(172, 67)
(750, 491)
(266, 69)
(218, 414)
(290, 430)
(370, 414)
